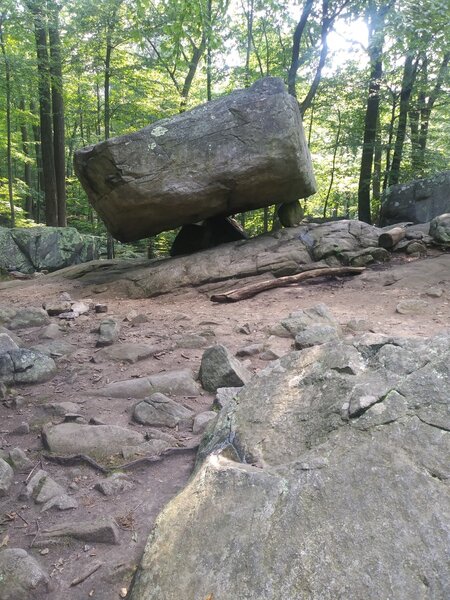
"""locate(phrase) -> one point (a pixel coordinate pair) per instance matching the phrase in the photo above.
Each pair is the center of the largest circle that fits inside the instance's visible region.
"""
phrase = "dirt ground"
(372, 296)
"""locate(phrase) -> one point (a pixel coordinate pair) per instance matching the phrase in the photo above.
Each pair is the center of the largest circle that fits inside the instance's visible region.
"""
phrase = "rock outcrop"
(418, 201)
(31, 249)
(241, 152)
(279, 253)
(326, 478)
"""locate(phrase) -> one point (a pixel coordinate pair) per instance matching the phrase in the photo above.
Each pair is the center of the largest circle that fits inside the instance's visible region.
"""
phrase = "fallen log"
(390, 238)
(255, 288)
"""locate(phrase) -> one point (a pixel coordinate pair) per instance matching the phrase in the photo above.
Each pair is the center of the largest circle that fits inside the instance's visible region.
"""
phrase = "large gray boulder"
(29, 249)
(237, 153)
(326, 478)
(418, 201)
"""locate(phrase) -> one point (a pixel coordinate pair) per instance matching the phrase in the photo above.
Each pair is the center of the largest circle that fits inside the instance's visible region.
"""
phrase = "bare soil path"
(371, 297)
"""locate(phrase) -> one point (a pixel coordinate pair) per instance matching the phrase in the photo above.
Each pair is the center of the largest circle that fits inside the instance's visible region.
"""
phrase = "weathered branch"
(255, 288)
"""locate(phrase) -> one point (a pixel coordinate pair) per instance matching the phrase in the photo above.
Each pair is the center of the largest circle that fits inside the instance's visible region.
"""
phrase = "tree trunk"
(197, 53)
(333, 167)
(409, 75)
(249, 15)
(390, 138)
(28, 203)
(58, 114)
(39, 170)
(296, 41)
(45, 116)
(209, 54)
(376, 26)
(8, 122)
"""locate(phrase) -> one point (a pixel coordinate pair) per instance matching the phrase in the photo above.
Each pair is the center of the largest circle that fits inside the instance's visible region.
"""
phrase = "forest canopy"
(371, 78)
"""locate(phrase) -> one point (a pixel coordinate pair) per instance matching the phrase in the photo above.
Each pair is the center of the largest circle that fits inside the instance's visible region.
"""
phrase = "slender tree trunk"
(409, 75)
(426, 110)
(209, 53)
(197, 53)
(249, 15)
(376, 26)
(45, 116)
(390, 139)
(333, 166)
(297, 38)
(58, 114)
(376, 178)
(28, 203)
(8, 122)
(39, 169)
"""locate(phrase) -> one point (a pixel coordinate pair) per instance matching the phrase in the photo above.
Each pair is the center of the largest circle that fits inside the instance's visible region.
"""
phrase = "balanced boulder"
(241, 152)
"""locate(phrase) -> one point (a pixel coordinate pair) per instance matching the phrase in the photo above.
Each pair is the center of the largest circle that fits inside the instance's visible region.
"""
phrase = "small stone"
(19, 459)
(51, 332)
(44, 490)
(44, 551)
(250, 350)
(108, 332)
(191, 340)
(269, 355)
(434, 292)
(6, 477)
(114, 485)
(29, 317)
(202, 420)
(416, 247)
(139, 319)
(358, 325)
(244, 329)
(411, 306)
(56, 308)
(60, 409)
(65, 297)
(220, 369)
(99, 531)
(101, 308)
(315, 335)
(99, 289)
(22, 429)
(160, 411)
(79, 308)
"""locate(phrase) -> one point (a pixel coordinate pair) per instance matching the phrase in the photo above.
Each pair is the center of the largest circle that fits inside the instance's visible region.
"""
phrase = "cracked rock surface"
(331, 468)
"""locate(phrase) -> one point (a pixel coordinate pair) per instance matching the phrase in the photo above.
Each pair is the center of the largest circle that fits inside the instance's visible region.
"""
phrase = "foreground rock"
(97, 440)
(339, 459)
(418, 201)
(44, 248)
(255, 151)
(6, 477)
(44, 490)
(20, 575)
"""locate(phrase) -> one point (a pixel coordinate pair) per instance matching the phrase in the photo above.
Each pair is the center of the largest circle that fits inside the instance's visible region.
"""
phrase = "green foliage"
(159, 60)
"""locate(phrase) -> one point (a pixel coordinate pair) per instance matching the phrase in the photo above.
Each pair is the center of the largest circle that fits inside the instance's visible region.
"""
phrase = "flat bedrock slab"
(160, 411)
(173, 383)
(97, 440)
(234, 154)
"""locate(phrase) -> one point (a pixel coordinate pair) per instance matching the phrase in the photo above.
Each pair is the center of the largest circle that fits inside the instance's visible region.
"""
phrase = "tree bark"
(296, 41)
(45, 115)
(409, 75)
(28, 203)
(58, 114)
(376, 35)
(8, 122)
